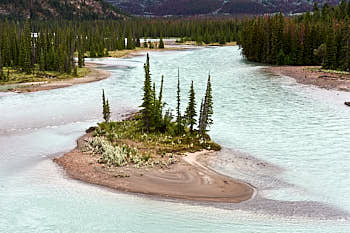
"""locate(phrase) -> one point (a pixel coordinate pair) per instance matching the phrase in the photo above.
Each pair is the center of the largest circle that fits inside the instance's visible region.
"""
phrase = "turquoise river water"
(290, 141)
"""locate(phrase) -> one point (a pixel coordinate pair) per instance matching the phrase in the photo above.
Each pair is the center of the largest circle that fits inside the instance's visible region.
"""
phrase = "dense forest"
(34, 46)
(321, 37)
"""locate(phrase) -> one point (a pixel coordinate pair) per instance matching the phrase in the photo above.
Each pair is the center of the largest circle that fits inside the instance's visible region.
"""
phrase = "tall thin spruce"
(191, 109)
(179, 125)
(206, 113)
(106, 112)
(147, 104)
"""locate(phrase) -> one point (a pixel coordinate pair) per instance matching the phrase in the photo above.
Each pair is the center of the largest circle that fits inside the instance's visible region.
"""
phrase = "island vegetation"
(153, 135)
(154, 152)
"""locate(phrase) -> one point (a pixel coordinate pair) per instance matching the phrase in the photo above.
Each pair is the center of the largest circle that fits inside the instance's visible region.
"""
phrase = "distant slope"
(63, 9)
(232, 7)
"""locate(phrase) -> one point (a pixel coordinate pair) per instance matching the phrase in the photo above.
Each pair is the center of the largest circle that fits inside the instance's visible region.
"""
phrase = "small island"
(152, 152)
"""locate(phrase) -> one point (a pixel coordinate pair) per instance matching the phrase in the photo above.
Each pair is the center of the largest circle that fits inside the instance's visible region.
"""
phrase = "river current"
(290, 141)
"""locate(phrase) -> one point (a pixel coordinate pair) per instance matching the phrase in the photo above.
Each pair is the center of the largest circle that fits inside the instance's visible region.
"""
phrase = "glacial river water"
(290, 141)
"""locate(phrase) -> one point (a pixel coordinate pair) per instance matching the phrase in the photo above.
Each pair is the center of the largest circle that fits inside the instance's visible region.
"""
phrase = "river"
(290, 141)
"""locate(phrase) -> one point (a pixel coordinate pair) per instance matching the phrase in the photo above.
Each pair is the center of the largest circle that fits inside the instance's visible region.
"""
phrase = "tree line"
(35, 46)
(321, 37)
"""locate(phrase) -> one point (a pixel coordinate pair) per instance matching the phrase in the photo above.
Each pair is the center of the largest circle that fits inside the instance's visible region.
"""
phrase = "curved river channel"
(290, 141)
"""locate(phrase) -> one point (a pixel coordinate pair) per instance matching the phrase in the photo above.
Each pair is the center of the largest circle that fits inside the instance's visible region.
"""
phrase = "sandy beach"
(312, 75)
(186, 179)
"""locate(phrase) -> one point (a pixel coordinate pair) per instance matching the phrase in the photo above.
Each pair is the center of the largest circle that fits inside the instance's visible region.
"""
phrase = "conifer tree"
(206, 112)
(191, 109)
(208, 104)
(1, 71)
(130, 42)
(105, 107)
(80, 58)
(27, 48)
(179, 125)
(331, 57)
(147, 105)
(161, 43)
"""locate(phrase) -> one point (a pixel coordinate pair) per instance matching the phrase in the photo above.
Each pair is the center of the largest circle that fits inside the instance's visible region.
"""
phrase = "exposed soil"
(186, 179)
(312, 75)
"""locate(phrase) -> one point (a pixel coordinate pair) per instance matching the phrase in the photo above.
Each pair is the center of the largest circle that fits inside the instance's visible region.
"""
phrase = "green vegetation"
(151, 137)
(12, 75)
(106, 111)
(318, 38)
(38, 48)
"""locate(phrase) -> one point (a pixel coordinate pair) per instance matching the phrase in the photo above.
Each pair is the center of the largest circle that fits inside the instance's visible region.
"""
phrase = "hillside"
(232, 7)
(62, 9)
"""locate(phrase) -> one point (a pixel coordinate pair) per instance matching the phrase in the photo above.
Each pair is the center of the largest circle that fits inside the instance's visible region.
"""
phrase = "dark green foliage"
(190, 114)
(1, 69)
(206, 112)
(161, 43)
(151, 114)
(321, 38)
(179, 123)
(147, 105)
(106, 112)
(280, 60)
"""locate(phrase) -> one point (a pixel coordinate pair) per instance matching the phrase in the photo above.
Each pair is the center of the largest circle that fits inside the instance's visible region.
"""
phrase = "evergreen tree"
(27, 48)
(331, 57)
(191, 109)
(161, 43)
(280, 58)
(80, 58)
(105, 108)
(179, 125)
(1, 67)
(206, 112)
(130, 42)
(147, 104)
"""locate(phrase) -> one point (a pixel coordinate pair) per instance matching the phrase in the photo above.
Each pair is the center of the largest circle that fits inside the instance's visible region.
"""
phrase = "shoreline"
(93, 76)
(187, 179)
(312, 75)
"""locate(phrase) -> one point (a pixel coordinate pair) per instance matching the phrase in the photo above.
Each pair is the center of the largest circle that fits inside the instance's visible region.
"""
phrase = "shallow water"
(290, 141)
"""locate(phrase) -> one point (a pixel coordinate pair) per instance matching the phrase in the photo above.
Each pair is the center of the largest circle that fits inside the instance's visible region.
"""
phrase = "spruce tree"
(206, 111)
(208, 104)
(130, 42)
(1, 71)
(105, 107)
(331, 57)
(191, 109)
(27, 48)
(147, 106)
(161, 43)
(179, 125)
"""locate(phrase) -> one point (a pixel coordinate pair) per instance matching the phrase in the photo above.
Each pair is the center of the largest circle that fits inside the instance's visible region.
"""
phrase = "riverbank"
(313, 75)
(93, 75)
(170, 45)
(186, 178)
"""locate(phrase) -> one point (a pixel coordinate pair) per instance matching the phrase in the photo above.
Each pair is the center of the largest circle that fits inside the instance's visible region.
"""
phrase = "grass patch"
(122, 143)
(16, 77)
(329, 71)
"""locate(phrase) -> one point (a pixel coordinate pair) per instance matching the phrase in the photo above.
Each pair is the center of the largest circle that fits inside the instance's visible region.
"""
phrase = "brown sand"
(186, 179)
(93, 76)
(311, 75)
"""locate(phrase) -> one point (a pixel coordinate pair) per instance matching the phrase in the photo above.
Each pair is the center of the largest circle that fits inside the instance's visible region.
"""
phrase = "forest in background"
(321, 37)
(37, 46)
